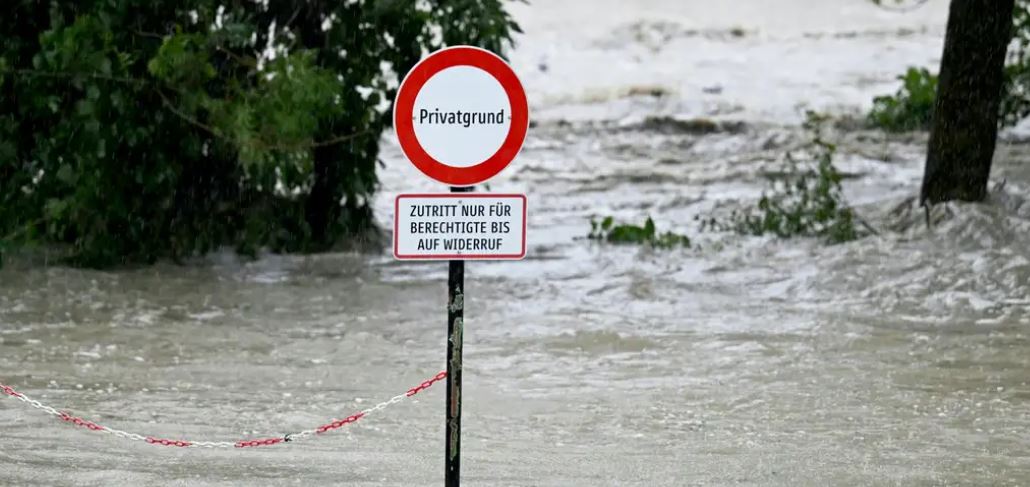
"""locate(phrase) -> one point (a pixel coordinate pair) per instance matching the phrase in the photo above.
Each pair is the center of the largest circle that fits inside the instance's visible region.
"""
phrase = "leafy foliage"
(807, 200)
(1015, 105)
(134, 131)
(606, 230)
(911, 107)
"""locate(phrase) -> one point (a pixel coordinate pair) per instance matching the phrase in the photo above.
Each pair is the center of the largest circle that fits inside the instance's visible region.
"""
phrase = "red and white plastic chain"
(335, 424)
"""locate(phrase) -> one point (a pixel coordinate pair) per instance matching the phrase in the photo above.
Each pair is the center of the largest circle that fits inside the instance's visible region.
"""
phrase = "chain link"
(289, 438)
(385, 404)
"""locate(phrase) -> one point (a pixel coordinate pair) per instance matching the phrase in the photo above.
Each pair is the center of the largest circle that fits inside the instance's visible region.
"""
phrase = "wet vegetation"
(606, 230)
(1015, 105)
(911, 107)
(805, 198)
(136, 131)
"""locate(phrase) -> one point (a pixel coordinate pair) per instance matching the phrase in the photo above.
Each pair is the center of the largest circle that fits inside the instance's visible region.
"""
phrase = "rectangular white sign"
(459, 226)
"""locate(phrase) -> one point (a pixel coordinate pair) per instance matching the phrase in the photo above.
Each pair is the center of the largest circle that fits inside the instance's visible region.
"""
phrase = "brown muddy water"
(898, 359)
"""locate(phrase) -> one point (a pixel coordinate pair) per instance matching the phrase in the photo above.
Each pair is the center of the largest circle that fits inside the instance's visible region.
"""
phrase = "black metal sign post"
(455, 298)
(455, 330)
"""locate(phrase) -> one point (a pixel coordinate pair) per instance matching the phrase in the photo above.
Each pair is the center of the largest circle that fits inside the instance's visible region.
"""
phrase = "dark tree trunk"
(964, 129)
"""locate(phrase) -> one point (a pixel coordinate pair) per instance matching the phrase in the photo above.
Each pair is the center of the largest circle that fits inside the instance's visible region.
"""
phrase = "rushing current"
(897, 359)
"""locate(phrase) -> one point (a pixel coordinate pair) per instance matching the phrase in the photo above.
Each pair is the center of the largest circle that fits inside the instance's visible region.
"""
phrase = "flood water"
(898, 359)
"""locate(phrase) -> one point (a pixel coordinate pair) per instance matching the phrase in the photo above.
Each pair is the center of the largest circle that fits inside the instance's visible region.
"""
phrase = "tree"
(134, 131)
(964, 126)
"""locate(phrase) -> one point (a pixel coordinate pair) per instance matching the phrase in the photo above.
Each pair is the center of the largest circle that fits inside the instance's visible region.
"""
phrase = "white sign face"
(462, 116)
(460, 226)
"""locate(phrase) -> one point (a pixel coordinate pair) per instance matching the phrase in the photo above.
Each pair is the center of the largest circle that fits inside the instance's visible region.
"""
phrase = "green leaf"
(65, 174)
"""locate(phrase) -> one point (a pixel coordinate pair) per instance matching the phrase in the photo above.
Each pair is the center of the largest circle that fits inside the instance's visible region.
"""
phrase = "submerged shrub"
(1015, 105)
(606, 230)
(806, 199)
(911, 107)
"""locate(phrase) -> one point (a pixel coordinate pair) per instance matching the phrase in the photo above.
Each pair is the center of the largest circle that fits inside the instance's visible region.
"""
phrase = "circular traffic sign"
(461, 115)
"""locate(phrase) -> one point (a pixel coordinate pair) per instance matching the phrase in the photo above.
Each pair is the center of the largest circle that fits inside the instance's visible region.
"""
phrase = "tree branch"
(899, 8)
(214, 131)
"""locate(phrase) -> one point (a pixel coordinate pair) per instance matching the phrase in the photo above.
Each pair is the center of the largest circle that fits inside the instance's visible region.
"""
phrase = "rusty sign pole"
(455, 332)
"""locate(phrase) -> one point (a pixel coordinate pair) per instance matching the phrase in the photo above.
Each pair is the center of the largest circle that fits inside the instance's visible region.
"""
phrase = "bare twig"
(191, 120)
(866, 224)
(150, 35)
(67, 75)
(249, 62)
(900, 8)
(292, 17)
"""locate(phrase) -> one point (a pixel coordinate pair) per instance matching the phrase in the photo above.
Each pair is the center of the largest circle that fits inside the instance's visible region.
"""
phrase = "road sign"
(461, 115)
(460, 226)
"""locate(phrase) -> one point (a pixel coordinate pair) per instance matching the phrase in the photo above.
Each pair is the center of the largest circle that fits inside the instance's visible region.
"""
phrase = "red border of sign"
(396, 222)
(404, 108)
